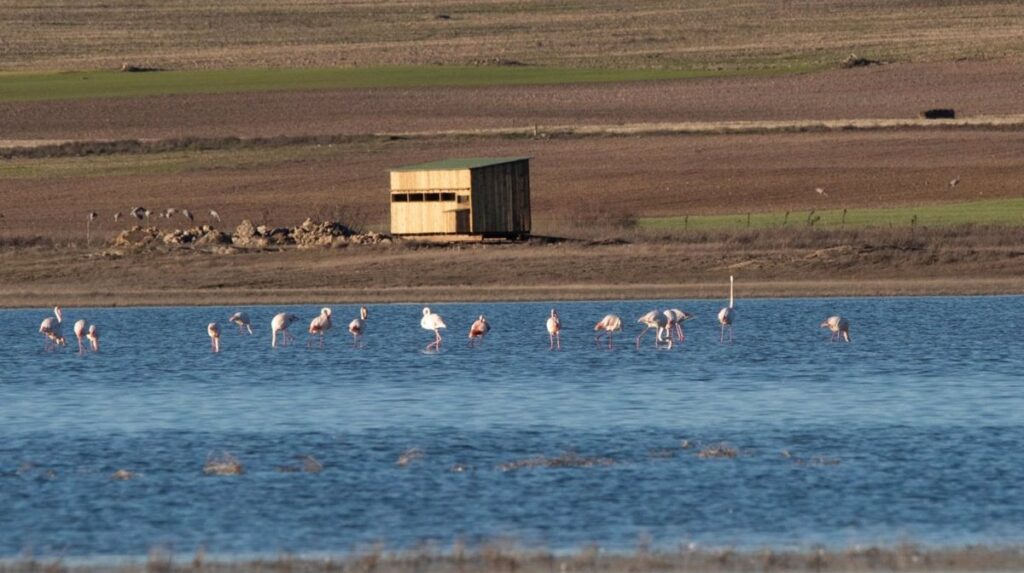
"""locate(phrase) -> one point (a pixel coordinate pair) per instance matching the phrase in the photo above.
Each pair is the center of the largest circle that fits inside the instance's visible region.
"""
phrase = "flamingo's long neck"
(730, 291)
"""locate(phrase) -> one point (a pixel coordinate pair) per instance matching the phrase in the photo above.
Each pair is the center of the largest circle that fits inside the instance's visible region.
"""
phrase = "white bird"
(431, 321)
(242, 320)
(478, 330)
(358, 326)
(954, 182)
(51, 329)
(93, 215)
(215, 215)
(727, 315)
(170, 212)
(657, 321)
(609, 324)
(280, 324)
(676, 318)
(138, 212)
(319, 326)
(839, 326)
(187, 214)
(820, 191)
(94, 337)
(213, 329)
(554, 326)
(80, 333)
(117, 216)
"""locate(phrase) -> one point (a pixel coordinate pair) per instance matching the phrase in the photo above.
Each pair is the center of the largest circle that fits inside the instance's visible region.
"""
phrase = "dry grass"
(650, 33)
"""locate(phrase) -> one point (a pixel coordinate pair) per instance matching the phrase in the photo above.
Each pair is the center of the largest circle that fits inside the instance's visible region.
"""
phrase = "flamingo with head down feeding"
(280, 324)
(609, 324)
(81, 328)
(659, 322)
(839, 326)
(94, 337)
(243, 321)
(676, 318)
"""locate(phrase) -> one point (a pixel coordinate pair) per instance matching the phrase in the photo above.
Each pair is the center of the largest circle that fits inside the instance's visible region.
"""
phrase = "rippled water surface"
(913, 431)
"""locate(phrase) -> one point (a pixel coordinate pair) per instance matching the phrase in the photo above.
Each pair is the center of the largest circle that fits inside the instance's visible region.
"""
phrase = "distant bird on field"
(243, 322)
(954, 182)
(94, 337)
(280, 324)
(88, 225)
(659, 322)
(319, 326)
(93, 215)
(478, 330)
(213, 329)
(170, 212)
(188, 215)
(148, 214)
(821, 191)
(215, 215)
(117, 216)
(676, 318)
(609, 324)
(50, 328)
(81, 331)
(358, 326)
(839, 326)
(434, 322)
(554, 326)
(727, 315)
(138, 212)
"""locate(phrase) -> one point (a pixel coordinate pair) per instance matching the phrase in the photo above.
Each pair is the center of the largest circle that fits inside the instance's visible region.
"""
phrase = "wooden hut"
(480, 197)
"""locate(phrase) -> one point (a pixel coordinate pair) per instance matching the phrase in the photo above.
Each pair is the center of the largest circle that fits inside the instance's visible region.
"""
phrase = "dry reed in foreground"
(507, 557)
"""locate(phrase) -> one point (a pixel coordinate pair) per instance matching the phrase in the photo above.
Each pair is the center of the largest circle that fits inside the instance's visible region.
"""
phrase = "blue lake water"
(912, 432)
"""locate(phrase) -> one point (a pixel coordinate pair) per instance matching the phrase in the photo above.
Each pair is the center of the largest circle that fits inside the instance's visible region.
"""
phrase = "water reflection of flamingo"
(609, 324)
(431, 321)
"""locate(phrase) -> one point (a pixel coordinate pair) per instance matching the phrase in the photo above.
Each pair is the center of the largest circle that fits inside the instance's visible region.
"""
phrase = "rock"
(136, 237)
(213, 237)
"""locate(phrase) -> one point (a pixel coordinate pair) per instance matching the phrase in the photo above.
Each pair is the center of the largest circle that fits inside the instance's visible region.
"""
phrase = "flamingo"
(358, 326)
(51, 329)
(243, 322)
(606, 327)
(676, 318)
(479, 330)
(431, 321)
(94, 337)
(319, 325)
(80, 332)
(727, 315)
(554, 326)
(280, 324)
(213, 329)
(839, 326)
(655, 320)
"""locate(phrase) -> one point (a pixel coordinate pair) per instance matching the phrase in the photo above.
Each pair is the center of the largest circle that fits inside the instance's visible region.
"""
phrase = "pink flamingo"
(94, 337)
(478, 330)
(606, 327)
(431, 321)
(280, 324)
(51, 330)
(554, 326)
(243, 322)
(839, 326)
(358, 326)
(676, 318)
(213, 329)
(80, 333)
(727, 315)
(319, 325)
(659, 322)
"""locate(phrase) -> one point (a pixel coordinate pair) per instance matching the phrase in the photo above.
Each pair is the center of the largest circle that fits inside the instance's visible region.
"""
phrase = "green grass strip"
(37, 86)
(989, 212)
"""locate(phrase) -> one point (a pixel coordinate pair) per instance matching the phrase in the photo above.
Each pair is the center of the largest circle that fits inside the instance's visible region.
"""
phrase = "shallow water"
(911, 432)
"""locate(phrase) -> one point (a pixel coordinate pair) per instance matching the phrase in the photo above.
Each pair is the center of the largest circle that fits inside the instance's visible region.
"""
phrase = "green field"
(34, 86)
(993, 212)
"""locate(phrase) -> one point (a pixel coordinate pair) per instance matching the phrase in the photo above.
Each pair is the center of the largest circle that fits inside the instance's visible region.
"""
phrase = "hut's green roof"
(458, 163)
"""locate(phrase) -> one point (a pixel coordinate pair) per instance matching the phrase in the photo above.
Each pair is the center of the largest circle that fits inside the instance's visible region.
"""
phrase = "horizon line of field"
(50, 148)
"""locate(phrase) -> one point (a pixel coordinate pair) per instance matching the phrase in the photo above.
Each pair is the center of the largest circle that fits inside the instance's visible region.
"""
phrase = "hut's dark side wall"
(501, 198)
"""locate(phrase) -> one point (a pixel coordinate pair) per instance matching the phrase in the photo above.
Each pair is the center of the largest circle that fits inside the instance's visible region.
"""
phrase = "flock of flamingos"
(667, 324)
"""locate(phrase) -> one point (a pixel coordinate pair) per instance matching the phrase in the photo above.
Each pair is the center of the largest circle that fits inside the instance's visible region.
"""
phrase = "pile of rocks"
(140, 237)
(247, 235)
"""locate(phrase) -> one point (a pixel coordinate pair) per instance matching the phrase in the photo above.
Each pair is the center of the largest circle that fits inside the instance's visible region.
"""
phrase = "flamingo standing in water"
(606, 327)
(478, 330)
(839, 326)
(727, 315)
(280, 324)
(431, 321)
(554, 326)
(319, 325)
(243, 322)
(676, 318)
(51, 329)
(213, 329)
(659, 322)
(358, 326)
(94, 337)
(81, 328)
